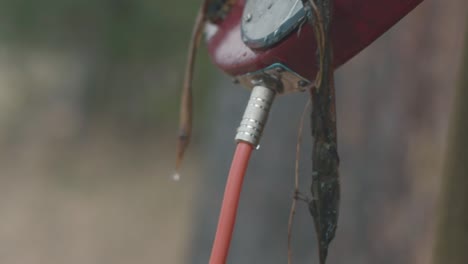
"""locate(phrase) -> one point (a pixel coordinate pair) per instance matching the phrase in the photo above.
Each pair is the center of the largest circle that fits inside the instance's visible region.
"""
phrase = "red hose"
(227, 217)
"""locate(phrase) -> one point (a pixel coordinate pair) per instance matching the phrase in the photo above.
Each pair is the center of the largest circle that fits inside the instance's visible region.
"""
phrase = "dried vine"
(325, 178)
(325, 186)
(186, 104)
(296, 180)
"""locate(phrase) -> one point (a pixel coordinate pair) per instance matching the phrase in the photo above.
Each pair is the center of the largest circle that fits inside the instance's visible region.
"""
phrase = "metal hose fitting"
(255, 115)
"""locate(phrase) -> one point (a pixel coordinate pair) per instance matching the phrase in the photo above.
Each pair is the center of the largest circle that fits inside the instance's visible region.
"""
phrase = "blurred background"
(89, 97)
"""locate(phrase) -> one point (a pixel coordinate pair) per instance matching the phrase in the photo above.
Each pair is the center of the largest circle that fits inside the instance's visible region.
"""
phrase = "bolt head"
(279, 69)
(302, 83)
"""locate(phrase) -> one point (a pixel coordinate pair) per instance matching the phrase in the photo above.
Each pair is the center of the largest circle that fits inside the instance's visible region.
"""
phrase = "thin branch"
(296, 180)
(319, 33)
(186, 104)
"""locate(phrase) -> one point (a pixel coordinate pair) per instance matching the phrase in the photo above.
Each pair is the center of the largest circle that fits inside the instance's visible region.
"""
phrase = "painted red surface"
(356, 24)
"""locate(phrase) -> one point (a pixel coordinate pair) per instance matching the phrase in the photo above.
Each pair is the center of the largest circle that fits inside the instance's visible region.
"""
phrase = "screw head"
(302, 83)
(279, 69)
(248, 17)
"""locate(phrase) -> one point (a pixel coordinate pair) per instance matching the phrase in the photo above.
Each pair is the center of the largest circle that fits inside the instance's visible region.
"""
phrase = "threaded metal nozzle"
(255, 115)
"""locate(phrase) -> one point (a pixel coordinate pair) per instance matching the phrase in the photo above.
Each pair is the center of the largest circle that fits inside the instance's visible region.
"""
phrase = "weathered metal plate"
(266, 22)
(356, 24)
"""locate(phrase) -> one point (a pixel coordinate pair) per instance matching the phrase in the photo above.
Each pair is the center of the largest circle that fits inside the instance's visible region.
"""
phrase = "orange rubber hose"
(227, 217)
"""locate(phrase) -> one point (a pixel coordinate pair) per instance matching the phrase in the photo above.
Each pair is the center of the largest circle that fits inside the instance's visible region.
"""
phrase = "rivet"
(279, 69)
(301, 83)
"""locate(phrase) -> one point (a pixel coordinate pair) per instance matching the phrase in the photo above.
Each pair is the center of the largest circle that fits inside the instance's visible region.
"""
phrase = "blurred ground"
(100, 201)
(87, 179)
(88, 109)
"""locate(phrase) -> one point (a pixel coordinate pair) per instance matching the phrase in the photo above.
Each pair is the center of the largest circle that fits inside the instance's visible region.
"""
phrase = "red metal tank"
(356, 24)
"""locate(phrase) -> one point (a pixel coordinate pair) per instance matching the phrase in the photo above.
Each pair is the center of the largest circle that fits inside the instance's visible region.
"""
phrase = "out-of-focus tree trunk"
(452, 240)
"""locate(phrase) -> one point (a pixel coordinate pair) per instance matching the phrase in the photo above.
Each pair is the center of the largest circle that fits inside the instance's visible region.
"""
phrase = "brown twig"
(186, 104)
(319, 33)
(296, 180)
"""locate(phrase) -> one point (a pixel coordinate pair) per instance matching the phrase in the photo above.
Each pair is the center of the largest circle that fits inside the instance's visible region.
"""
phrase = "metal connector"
(255, 116)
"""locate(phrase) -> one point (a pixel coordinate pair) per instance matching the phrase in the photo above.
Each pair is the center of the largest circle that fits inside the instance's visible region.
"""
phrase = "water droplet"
(175, 176)
(257, 147)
